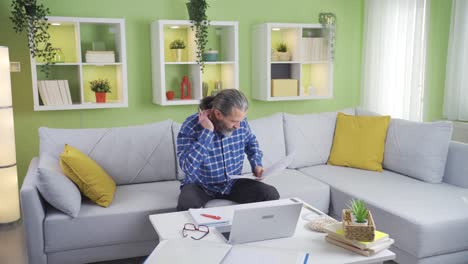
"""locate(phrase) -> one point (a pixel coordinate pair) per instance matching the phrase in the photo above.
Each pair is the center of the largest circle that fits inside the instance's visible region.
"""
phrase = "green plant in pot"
(177, 46)
(100, 87)
(282, 52)
(359, 211)
(30, 17)
(199, 19)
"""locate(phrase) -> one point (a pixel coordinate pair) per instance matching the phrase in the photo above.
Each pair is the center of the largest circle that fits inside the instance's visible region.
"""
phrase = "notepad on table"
(216, 216)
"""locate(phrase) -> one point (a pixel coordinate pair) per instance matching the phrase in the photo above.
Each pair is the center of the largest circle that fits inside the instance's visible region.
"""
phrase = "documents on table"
(247, 254)
(273, 169)
(221, 216)
(183, 251)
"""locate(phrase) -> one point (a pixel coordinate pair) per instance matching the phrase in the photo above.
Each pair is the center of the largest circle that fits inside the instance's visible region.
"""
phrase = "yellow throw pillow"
(91, 179)
(359, 141)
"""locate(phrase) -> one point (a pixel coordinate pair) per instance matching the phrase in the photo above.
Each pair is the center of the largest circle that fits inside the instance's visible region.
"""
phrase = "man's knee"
(270, 193)
(191, 196)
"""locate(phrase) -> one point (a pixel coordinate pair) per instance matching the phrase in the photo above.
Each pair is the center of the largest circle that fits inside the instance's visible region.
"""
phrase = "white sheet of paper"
(262, 255)
(183, 251)
(273, 169)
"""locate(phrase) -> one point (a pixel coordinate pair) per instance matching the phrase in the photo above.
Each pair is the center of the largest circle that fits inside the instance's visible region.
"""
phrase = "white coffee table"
(168, 226)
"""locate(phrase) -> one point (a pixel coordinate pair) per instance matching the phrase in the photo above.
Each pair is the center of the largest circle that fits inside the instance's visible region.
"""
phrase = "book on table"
(365, 252)
(336, 236)
(216, 216)
(336, 232)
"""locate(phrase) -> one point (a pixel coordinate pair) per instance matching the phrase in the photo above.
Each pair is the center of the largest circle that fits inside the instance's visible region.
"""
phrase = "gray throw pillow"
(56, 188)
(417, 149)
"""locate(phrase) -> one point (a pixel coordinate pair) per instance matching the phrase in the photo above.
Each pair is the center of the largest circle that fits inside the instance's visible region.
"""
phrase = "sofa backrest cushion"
(270, 136)
(364, 112)
(310, 137)
(133, 154)
(456, 168)
(417, 149)
(175, 131)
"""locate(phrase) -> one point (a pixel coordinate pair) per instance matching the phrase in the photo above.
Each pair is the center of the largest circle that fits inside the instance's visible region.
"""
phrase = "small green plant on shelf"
(359, 210)
(282, 52)
(177, 44)
(282, 47)
(100, 86)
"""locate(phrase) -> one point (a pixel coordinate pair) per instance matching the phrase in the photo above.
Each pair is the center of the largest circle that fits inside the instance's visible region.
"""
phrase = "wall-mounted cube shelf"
(167, 71)
(75, 37)
(307, 62)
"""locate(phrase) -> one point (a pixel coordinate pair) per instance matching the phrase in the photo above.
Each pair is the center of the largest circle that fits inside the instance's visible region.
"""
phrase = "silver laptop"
(262, 223)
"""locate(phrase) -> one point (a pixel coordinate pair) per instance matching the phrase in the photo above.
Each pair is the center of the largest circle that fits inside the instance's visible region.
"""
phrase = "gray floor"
(13, 247)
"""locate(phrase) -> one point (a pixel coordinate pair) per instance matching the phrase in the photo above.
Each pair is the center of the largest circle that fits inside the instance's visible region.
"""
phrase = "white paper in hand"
(273, 169)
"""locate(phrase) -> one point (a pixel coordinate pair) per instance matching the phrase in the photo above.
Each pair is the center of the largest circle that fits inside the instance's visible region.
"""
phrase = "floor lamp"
(9, 198)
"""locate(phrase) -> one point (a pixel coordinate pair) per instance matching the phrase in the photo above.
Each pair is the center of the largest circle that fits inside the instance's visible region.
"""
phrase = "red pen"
(215, 217)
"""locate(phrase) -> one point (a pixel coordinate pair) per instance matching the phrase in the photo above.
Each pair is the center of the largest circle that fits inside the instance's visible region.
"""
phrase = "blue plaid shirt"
(207, 157)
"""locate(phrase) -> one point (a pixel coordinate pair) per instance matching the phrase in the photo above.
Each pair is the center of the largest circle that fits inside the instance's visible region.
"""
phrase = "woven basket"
(358, 232)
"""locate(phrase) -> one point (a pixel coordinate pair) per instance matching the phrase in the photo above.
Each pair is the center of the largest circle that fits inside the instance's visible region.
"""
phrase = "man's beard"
(221, 128)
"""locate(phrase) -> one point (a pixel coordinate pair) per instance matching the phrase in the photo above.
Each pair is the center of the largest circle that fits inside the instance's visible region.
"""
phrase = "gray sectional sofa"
(427, 220)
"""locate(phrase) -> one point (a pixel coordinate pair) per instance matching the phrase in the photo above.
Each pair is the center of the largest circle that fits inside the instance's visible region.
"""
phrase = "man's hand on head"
(203, 119)
(258, 171)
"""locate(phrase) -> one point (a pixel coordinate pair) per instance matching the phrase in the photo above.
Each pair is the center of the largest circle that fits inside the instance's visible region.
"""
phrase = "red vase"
(170, 95)
(100, 97)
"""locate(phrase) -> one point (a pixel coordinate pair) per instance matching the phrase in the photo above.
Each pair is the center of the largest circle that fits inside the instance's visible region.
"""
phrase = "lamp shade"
(9, 198)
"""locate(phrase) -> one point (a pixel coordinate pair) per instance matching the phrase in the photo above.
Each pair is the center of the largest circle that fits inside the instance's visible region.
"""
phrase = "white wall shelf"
(310, 64)
(75, 36)
(167, 73)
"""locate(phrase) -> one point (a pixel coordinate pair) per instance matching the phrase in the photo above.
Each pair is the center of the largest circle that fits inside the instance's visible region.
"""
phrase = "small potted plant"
(358, 223)
(282, 51)
(100, 87)
(359, 212)
(177, 46)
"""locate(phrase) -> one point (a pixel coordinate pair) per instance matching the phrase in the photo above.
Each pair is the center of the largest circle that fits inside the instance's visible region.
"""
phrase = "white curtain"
(456, 81)
(394, 49)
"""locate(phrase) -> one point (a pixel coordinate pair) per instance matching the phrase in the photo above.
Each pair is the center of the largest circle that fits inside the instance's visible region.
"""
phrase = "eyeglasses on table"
(192, 227)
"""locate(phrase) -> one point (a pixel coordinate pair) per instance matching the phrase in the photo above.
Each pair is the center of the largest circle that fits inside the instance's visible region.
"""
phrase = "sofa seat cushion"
(293, 183)
(124, 221)
(424, 219)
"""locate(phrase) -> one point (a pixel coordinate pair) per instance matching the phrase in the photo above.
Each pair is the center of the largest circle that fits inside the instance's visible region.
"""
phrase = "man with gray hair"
(211, 146)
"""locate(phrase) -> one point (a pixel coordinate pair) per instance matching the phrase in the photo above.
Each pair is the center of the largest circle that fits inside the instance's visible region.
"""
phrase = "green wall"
(139, 15)
(439, 28)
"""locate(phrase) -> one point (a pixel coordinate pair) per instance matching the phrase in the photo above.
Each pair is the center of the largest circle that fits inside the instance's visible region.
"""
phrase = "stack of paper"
(275, 168)
(183, 251)
(336, 236)
(216, 216)
(100, 56)
(248, 254)
(54, 92)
